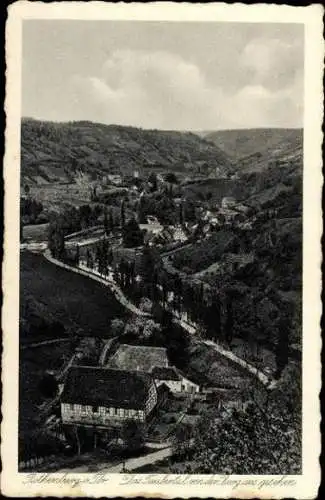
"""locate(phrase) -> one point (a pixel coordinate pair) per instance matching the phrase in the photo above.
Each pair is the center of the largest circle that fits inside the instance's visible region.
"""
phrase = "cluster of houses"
(229, 213)
(157, 234)
(128, 386)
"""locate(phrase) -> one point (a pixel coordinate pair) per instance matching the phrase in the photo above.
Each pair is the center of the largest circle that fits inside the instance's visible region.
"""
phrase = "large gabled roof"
(138, 358)
(96, 386)
(165, 373)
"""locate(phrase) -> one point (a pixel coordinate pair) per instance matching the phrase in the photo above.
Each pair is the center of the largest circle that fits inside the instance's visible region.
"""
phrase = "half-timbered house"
(106, 397)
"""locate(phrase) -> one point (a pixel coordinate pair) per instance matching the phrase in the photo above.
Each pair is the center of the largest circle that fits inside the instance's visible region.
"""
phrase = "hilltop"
(54, 152)
(256, 143)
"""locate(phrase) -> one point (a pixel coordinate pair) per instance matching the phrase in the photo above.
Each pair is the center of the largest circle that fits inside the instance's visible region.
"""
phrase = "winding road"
(191, 329)
(118, 293)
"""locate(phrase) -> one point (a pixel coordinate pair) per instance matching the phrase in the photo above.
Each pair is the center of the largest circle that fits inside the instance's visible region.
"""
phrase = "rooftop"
(165, 373)
(138, 358)
(106, 387)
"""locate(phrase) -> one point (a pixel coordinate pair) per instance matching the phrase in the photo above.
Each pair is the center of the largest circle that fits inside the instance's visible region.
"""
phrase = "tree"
(182, 440)
(151, 330)
(77, 256)
(122, 214)
(229, 323)
(133, 435)
(189, 211)
(132, 235)
(143, 329)
(152, 180)
(171, 178)
(93, 194)
(111, 223)
(106, 223)
(85, 216)
(181, 218)
(263, 438)
(89, 259)
(148, 263)
(145, 305)
(117, 327)
(56, 239)
(48, 386)
(141, 211)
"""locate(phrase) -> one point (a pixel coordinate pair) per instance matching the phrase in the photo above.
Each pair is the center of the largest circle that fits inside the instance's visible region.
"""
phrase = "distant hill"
(238, 144)
(55, 152)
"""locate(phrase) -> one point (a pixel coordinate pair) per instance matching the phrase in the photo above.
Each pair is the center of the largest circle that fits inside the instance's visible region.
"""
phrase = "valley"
(183, 246)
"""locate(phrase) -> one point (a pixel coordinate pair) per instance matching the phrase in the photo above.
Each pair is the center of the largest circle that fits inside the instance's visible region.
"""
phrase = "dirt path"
(119, 295)
(136, 463)
(264, 379)
(45, 342)
(191, 329)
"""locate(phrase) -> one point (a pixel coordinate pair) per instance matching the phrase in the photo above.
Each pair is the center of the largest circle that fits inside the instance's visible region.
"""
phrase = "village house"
(153, 228)
(228, 202)
(94, 396)
(174, 379)
(179, 234)
(152, 219)
(154, 361)
(115, 179)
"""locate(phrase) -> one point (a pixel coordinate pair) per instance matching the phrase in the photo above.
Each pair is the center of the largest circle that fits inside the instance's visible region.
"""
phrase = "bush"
(117, 327)
(145, 305)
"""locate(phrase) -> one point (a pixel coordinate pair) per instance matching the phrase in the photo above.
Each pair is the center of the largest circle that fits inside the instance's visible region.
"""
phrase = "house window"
(95, 409)
(70, 407)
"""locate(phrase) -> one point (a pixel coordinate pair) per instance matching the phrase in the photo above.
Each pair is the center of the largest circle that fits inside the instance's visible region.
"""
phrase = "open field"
(55, 196)
(48, 294)
(53, 299)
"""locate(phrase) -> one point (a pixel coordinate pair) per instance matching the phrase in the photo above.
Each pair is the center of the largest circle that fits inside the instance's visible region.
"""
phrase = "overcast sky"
(164, 75)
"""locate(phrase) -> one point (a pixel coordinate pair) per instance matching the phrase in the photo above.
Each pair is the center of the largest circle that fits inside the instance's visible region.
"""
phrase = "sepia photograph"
(161, 182)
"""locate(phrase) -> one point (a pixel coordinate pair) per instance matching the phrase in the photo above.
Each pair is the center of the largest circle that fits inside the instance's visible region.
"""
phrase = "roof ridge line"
(144, 346)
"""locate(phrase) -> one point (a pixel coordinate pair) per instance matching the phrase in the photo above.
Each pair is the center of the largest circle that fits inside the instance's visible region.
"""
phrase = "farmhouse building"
(228, 202)
(106, 398)
(154, 362)
(174, 379)
(138, 358)
(179, 234)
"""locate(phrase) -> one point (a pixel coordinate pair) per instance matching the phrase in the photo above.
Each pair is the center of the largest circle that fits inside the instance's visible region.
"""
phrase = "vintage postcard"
(162, 259)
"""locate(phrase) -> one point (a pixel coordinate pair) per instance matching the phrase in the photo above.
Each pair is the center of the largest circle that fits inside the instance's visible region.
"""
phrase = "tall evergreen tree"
(89, 259)
(111, 220)
(181, 218)
(106, 223)
(229, 323)
(77, 257)
(123, 214)
(141, 212)
(56, 243)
